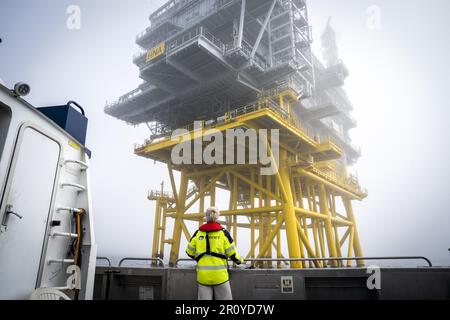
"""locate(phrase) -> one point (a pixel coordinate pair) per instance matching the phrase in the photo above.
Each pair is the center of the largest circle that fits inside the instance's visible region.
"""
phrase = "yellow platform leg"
(181, 203)
(356, 242)
(289, 212)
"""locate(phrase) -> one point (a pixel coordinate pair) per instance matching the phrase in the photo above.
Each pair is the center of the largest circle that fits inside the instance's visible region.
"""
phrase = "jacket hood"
(211, 227)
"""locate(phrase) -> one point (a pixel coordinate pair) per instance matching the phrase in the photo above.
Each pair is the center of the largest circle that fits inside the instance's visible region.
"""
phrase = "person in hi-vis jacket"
(211, 246)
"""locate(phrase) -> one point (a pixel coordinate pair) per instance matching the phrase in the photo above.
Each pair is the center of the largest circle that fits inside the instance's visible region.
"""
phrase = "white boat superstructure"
(46, 227)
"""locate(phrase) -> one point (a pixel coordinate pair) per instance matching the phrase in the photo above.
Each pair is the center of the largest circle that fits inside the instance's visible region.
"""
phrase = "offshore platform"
(215, 66)
(239, 65)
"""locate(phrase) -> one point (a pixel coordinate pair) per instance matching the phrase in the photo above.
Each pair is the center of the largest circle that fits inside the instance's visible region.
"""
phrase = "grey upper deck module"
(199, 59)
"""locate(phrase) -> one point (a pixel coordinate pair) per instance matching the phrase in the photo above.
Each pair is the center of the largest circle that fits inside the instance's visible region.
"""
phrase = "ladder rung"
(64, 234)
(82, 164)
(68, 209)
(73, 185)
(66, 261)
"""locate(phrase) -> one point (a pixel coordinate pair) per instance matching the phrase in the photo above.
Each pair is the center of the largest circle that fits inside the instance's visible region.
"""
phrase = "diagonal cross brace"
(263, 29)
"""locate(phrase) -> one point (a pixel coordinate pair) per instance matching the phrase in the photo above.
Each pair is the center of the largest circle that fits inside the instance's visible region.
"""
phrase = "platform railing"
(340, 259)
(399, 258)
(105, 259)
(154, 194)
(253, 260)
(158, 260)
(169, 9)
(340, 177)
(266, 103)
(192, 35)
(166, 13)
(243, 110)
(132, 94)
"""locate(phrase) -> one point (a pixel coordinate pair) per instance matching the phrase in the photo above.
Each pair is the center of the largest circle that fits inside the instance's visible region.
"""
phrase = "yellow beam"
(185, 231)
(356, 242)
(344, 237)
(289, 210)
(234, 207)
(321, 216)
(163, 231)
(178, 220)
(172, 182)
(252, 221)
(305, 241)
(156, 229)
(237, 212)
(210, 187)
(202, 200)
(350, 246)
(269, 239)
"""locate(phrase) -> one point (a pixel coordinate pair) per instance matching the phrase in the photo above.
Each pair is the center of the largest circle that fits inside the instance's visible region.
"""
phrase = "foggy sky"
(398, 84)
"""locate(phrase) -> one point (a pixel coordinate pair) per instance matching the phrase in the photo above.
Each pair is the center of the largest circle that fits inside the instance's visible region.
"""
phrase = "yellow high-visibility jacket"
(211, 246)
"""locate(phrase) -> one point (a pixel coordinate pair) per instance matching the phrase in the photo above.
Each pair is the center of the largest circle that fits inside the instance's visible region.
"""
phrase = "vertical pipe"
(316, 240)
(229, 219)
(301, 205)
(289, 211)
(293, 35)
(332, 201)
(315, 222)
(294, 190)
(350, 245)
(328, 225)
(156, 229)
(263, 29)
(235, 200)
(279, 255)
(213, 195)
(295, 199)
(300, 193)
(241, 23)
(356, 242)
(322, 240)
(269, 218)
(263, 221)
(252, 221)
(160, 213)
(319, 222)
(302, 249)
(163, 231)
(270, 44)
(202, 200)
(172, 181)
(178, 219)
(260, 216)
